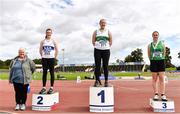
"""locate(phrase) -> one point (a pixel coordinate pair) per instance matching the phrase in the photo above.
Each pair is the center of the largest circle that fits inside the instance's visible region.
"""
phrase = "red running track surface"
(131, 96)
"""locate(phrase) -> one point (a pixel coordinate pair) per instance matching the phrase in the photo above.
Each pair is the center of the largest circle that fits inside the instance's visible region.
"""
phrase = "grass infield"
(73, 75)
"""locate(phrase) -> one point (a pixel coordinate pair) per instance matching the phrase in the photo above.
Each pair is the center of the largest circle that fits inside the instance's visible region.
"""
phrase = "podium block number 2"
(102, 95)
(164, 105)
(40, 99)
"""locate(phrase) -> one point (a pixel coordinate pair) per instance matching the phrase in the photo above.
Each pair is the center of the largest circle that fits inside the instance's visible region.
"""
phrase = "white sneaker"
(163, 98)
(156, 97)
(17, 107)
(23, 107)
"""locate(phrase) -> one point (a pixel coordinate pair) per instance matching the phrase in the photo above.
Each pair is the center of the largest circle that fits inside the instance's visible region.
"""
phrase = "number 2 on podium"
(40, 100)
(101, 93)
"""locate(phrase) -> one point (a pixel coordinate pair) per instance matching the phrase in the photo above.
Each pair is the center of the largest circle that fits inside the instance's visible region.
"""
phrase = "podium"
(45, 102)
(162, 106)
(101, 99)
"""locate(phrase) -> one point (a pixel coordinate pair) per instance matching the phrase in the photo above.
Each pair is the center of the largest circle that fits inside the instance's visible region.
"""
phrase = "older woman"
(21, 69)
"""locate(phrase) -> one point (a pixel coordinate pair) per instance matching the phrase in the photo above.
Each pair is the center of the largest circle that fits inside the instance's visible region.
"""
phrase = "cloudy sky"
(23, 24)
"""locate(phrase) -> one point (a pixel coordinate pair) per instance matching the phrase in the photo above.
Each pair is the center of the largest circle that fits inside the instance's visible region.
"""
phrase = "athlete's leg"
(97, 71)
(155, 82)
(162, 86)
(44, 77)
(51, 69)
(97, 58)
(45, 68)
(105, 58)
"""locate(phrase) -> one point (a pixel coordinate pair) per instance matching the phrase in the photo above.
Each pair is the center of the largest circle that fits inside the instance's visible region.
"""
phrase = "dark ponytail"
(48, 29)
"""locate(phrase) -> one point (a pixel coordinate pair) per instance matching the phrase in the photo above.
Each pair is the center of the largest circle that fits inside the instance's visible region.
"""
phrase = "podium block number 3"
(40, 99)
(164, 105)
(102, 95)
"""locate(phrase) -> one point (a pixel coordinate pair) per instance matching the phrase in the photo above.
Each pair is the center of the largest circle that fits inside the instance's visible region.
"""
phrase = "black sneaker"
(50, 91)
(97, 83)
(43, 91)
(106, 84)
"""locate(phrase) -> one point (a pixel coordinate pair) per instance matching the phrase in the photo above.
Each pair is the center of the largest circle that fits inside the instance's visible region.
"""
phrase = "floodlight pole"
(63, 57)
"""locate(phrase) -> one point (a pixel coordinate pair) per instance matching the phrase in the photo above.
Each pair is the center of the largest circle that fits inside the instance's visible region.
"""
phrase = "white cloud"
(23, 23)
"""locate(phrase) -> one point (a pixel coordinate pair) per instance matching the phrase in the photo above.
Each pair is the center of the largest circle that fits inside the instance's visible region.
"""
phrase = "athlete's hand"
(110, 43)
(10, 82)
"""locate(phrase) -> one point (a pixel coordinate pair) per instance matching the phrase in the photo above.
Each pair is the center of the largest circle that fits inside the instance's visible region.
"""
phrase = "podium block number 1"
(40, 100)
(102, 95)
(164, 105)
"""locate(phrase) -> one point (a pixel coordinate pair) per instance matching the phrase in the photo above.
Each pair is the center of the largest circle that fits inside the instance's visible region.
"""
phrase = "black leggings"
(48, 63)
(104, 56)
(20, 93)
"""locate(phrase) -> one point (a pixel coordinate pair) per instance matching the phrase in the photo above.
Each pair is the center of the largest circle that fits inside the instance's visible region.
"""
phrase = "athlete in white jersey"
(102, 41)
(48, 51)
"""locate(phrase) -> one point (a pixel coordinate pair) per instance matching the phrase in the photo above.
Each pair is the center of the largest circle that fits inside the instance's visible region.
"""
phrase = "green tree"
(128, 58)
(1, 63)
(37, 61)
(168, 58)
(119, 61)
(7, 62)
(136, 56)
(4, 64)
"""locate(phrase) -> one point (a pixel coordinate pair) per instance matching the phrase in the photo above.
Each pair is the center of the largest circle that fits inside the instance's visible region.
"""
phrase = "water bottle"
(28, 89)
(78, 79)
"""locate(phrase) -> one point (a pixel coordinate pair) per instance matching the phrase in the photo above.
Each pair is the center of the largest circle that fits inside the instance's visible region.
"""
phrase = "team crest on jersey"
(48, 49)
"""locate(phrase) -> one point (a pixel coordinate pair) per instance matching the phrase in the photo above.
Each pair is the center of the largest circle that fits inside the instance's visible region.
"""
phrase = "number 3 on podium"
(102, 94)
(164, 105)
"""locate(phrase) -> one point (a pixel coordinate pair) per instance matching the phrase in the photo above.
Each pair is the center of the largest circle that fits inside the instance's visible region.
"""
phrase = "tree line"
(5, 64)
(135, 56)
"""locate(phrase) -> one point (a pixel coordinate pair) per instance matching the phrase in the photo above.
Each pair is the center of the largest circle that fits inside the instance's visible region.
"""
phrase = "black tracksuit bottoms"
(20, 92)
(103, 55)
(48, 63)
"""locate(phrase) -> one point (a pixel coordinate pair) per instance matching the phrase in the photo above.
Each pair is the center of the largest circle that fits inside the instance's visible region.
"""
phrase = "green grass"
(73, 75)
(68, 75)
(4, 76)
(132, 74)
(38, 76)
(171, 69)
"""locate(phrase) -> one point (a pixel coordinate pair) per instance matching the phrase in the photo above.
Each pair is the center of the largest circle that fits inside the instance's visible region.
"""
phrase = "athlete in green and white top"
(102, 39)
(157, 51)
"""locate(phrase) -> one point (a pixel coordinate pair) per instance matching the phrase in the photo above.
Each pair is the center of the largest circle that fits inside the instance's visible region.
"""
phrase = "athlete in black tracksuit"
(102, 41)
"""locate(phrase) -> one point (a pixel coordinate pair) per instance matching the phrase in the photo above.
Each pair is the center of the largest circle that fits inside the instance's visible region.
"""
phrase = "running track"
(131, 96)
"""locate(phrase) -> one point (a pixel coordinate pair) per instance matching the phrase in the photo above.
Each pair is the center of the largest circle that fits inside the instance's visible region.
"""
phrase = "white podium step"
(162, 106)
(101, 99)
(45, 102)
